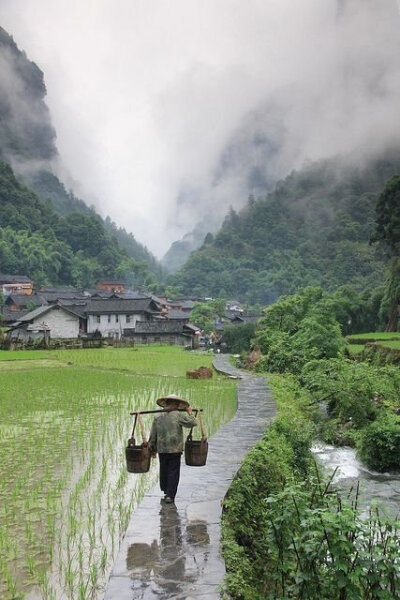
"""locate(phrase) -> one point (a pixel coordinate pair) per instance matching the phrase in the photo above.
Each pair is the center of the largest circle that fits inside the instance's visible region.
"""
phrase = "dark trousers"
(170, 468)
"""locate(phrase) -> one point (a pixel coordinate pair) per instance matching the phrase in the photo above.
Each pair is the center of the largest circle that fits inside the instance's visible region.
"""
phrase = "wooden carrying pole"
(163, 410)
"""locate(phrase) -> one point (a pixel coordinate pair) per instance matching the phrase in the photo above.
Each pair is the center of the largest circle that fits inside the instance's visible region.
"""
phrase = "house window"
(109, 318)
(98, 319)
(116, 318)
(128, 318)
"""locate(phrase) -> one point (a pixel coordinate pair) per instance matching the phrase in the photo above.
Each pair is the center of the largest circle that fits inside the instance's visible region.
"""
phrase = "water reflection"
(162, 564)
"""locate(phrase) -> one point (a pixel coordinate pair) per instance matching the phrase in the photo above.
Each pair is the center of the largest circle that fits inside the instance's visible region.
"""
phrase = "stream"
(375, 488)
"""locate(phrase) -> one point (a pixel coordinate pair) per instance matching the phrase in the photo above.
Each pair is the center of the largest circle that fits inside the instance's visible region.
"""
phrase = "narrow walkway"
(173, 552)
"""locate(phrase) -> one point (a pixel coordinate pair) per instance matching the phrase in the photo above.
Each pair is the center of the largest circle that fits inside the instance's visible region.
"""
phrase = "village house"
(244, 319)
(182, 304)
(53, 295)
(111, 286)
(175, 333)
(20, 302)
(52, 321)
(178, 315)
(15, 284)
(113, 317)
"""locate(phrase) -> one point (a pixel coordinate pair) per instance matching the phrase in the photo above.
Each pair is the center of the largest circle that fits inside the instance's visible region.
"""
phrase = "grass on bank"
(354, 349)
(376, 335)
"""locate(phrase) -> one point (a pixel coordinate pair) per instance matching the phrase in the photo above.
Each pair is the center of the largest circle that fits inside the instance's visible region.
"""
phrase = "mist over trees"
(314, 229)
(74, 249)
(46, 232)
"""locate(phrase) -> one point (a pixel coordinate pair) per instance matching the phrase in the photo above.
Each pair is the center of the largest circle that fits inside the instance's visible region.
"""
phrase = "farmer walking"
(166, 439)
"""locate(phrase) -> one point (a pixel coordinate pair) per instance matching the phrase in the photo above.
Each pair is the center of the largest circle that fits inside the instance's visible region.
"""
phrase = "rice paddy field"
(384, 338)
(66, 497)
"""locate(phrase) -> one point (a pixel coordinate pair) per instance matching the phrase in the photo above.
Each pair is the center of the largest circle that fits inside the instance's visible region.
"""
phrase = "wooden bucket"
(137, 457)
(196, 452)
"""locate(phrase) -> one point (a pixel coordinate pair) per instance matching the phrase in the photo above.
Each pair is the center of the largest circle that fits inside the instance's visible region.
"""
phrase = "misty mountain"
(26, 132)
(313, 229)
(179, 251)
(28, 144)
(340, 97)
(74, 249)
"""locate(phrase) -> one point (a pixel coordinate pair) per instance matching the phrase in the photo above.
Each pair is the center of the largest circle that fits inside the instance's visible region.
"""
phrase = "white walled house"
(58, 322)
(114, 316)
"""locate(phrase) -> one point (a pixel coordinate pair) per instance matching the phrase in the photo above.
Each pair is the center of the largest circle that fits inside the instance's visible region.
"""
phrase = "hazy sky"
(147, 95)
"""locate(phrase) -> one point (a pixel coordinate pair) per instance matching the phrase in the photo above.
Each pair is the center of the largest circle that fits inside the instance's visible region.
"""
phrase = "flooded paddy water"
(65, 495)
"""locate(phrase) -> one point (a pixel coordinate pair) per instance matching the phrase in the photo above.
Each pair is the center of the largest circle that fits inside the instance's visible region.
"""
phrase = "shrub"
(267, 469)
(299, 435)
(356, 393)
(380, 444)
(238, 337)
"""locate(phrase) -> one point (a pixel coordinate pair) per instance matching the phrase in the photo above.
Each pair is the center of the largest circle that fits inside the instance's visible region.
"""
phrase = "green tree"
(238, 337)
(202, 316)
(387, 234)
(297, 329)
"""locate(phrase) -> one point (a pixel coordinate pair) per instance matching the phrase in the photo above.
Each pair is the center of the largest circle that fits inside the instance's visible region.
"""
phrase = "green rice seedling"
(65, 494)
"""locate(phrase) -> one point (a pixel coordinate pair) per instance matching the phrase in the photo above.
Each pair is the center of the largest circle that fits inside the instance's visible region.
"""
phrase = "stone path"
(173, 552)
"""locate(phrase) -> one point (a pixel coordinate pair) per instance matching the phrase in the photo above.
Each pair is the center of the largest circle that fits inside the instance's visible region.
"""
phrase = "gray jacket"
(166, 435)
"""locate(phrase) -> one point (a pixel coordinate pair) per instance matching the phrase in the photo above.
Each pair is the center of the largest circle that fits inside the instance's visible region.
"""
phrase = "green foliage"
(387, 230)
(1, 307)
(282, 455)
(389, 309)
(74, 249)
(286, 536)
(387, 234)
(75, 406)
(356, 393)
(380, 444)
(204, 314)
(238, 337)
(316, 547)
(314, 229)
(297, 329)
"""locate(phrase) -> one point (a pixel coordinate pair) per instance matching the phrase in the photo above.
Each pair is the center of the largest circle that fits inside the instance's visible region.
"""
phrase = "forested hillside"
(314, 229)
(74, 249)
(46, 232)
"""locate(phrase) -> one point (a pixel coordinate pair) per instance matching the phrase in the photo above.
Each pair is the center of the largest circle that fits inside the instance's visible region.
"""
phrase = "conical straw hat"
(165, 401)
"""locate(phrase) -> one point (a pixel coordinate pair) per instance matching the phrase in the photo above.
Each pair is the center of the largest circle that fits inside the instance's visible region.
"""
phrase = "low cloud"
(168, 113)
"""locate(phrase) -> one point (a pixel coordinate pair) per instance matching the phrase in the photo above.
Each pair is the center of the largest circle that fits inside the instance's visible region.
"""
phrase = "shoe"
(168, 500)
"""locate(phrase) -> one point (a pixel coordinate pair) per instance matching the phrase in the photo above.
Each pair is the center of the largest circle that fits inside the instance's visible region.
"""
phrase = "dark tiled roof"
(10, 316)
(188, 304)
(14, 279)
(178, 314)
(156, 327)
(52, 295)
(121, 306)
(99, 293)
(75, 306)
(33, 314)
(42, 310)
(160, 327)
(190, 327)
(23, 300)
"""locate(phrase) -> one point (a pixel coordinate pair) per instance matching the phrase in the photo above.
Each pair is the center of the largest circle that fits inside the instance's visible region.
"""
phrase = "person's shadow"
(161, 565)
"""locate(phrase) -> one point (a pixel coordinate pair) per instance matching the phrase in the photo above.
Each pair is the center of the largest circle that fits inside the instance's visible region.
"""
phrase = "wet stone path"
(173, 551)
